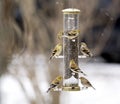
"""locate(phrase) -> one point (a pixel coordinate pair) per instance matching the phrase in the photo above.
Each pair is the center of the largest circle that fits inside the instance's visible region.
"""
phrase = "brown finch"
(86, 83)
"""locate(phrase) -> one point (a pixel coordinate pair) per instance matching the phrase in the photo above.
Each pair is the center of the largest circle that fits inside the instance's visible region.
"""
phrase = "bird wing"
(54, 52)
(55, 82)
(86, 50)
(75, 70)
(90, 84)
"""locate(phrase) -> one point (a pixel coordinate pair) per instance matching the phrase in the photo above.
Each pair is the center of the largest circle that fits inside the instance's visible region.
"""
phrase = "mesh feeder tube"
(70, 49)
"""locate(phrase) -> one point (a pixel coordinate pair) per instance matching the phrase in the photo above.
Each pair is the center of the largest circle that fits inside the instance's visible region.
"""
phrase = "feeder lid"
(70, 10)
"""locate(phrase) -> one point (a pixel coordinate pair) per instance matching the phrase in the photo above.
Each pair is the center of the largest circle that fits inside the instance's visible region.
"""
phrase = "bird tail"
(90, 55)
(93, 88)
(48, 90)
(51, 57)
(83, 73)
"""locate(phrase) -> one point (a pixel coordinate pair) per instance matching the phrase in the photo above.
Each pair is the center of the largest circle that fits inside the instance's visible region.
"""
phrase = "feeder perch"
(70, 49)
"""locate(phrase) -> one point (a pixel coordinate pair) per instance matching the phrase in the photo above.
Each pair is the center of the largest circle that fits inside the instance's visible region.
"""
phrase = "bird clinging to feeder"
(86, 83)
(72, 34)
(56, 51)
(74, 67)
(85, 50)
(55, 83)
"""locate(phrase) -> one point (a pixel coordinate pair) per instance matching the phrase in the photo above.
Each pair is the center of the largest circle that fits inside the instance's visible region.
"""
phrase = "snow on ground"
(104, 77)
(11, 91)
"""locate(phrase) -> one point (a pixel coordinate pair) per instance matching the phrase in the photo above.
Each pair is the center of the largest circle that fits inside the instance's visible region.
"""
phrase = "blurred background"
(28, 32)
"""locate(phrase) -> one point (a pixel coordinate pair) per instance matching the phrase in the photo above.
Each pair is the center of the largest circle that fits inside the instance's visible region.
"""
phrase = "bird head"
(60, 34)
(59, 45)
(81, 78)
(59, 78)
(83, 44)
(72, 64)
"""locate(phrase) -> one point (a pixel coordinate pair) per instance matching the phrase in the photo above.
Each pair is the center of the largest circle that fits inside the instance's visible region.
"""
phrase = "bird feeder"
(71, 55)
(70, 49)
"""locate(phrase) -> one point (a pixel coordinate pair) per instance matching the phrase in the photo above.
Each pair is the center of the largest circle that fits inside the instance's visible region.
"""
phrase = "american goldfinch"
(86, 83)
(56, 51)
(74, 67)
(85, 50)
(72, 34)
(60, 35)
(55, 83)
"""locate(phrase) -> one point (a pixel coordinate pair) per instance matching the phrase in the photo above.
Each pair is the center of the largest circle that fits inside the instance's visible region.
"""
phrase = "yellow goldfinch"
(55, 83)
(86, 83)
(85, 50)
(56, 51)
(60, 35)
(74, 67)
(72, 34)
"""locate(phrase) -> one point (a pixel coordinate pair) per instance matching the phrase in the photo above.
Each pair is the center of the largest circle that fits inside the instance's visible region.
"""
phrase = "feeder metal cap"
(71, 10)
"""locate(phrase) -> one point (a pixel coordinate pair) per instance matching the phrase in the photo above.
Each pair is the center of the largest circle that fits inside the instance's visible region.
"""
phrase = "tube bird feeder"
(70, 49)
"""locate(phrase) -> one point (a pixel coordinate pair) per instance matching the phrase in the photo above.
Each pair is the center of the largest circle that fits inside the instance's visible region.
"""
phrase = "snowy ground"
(104, 77)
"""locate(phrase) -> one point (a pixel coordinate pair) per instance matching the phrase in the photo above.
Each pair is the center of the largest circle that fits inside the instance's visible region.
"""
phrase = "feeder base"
(71, 88)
